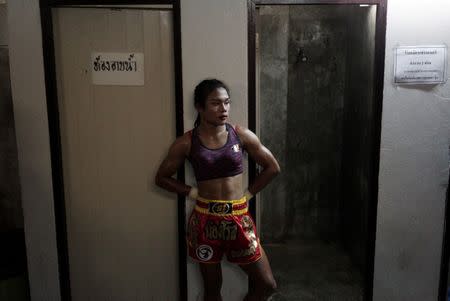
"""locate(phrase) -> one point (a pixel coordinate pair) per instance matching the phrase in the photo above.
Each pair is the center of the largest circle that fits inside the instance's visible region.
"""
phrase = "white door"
(121, 229)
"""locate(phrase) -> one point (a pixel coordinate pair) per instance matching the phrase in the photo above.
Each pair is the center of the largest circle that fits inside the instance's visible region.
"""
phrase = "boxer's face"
(217, 107)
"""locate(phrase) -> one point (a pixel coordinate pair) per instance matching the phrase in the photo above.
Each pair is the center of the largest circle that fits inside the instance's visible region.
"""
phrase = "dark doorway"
(317, 80)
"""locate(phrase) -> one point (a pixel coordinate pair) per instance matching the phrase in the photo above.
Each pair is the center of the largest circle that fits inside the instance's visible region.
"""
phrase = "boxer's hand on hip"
(193, 193)
(248, 195)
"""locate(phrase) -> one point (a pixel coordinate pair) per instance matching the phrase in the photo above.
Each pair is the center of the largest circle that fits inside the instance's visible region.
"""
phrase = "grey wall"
(357, 134)
(30, 114)
(214, 44)
(10, 203)
(414, 162)
(13, 258)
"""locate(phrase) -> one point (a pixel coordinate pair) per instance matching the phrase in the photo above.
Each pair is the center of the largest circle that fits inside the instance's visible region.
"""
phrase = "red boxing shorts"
(222, 226)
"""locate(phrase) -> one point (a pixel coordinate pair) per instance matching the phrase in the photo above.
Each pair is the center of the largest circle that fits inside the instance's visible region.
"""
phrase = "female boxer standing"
(220, 222)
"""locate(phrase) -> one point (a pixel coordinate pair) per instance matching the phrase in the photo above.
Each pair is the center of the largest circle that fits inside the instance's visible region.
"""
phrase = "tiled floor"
(313, 270)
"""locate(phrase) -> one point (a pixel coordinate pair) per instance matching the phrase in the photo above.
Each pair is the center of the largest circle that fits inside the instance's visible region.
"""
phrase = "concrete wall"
(273, 23)
(315, 118)
(214, 44)
(414, 146)
(414, 162)
(302, 122)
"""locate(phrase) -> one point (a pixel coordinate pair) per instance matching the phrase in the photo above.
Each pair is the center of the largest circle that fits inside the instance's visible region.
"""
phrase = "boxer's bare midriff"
(228, 188)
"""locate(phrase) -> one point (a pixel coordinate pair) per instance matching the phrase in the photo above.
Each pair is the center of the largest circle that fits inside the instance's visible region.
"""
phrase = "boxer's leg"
(212, 281)
(262, 284)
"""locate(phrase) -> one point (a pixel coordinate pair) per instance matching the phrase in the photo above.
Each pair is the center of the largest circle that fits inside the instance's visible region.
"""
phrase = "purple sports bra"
(216, 163)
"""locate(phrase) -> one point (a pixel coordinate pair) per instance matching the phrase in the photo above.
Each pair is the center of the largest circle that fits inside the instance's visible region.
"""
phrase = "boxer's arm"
(262, 157)
(169, 166)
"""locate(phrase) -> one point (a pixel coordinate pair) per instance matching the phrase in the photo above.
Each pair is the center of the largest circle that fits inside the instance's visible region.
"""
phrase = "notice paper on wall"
(420, 64)
(112, 68)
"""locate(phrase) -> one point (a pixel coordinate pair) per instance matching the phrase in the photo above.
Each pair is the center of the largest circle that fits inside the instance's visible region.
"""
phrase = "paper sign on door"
(112, 68)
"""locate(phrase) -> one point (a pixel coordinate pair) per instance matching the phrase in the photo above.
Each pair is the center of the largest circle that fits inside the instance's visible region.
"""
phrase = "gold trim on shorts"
(240, 201)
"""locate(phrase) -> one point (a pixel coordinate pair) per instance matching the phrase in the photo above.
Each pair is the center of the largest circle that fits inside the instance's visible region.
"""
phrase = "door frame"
(55, 131)
(380, 45)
